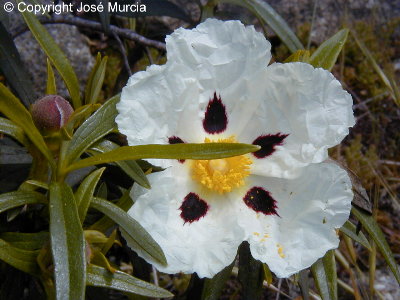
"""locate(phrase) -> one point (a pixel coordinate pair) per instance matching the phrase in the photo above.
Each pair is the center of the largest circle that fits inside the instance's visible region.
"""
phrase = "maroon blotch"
(215, 118)
(176, 140)
(193, 208)
(260, 200)
(268, 143)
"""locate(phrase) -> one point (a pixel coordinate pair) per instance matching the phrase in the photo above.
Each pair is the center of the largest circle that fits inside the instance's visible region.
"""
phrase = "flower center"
(221, 175)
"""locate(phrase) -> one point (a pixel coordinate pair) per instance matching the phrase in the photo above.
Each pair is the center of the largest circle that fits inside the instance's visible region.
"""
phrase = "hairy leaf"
(23, 260)
(98, 276)
(378, 237)
(325, 276)
(85, 192)
(175, 151)
(56, 56)
(130, 167)
(67, 244)
(268, 15)
(327, 53)
(94, 128)
(19, 198)
(136, 236)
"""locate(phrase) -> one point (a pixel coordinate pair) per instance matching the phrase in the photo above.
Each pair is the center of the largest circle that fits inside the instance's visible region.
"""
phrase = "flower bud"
(51, 112)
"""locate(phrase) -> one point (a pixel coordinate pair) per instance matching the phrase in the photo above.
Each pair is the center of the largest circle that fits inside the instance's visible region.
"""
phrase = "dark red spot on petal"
(268, 143)
(215, 118)
(193, 208)
(260, 200)
(176, 140)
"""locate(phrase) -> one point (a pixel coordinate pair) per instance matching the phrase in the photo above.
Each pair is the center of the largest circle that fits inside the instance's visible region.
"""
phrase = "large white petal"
(225, 58)
(310, 208)
(205, 246)
(308, 104)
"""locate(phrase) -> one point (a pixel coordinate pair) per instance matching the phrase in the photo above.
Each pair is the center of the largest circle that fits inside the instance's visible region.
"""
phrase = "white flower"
(283, 199)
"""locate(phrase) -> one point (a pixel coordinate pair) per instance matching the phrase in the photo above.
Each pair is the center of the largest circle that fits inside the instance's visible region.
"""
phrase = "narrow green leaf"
(251, 273)
(26, 241)
(350, 230)
(125, 203)
(9, 128)
(327, 53)
(85, 192)
(98, 276)
(176, 151)
(12, 108)
(104, 15)
(377, 235)
(135, 235)
(299, 55)
(304, 284)
(213, 287)
(96, 80)
(51, 88)
(55, 54)
(23, 260)
(19, 198)
(14, 69)
(325, 276)
(67, 244)
(268, 15)
(130, 167)
(94, 128)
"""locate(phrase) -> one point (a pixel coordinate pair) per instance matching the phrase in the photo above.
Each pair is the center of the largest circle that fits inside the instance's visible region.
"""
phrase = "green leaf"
(377, 235)
(268, 15)
(51, 88)
(175, 151)
(299, 55)
(56, 56)
(104, 15)
(130, 167)
(19, 198)
(96, 79)
(304, 284)
(9, 128)
(350, 230)
(251, 273)
(67, 244)
(135, 235)
(325, 276)
(26, 241)
(85, 192)
(13, 68)
(213, 287)
(98, 276)
(23, 260)
(12, 108)
(125, 203)
(327, 53)
(94, 128)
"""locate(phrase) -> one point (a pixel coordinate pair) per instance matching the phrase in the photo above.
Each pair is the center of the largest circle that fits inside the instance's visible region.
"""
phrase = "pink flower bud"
(51, 112)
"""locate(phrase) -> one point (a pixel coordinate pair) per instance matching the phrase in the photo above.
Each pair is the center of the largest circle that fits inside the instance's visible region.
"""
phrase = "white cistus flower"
(283, 199)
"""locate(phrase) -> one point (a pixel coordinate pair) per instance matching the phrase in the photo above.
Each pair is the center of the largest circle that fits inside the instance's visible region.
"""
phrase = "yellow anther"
(266, 235)
(262, 240)
(256, 233)
(221, 175)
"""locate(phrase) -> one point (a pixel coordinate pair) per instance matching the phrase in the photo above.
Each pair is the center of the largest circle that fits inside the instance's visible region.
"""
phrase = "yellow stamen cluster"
(221, 175)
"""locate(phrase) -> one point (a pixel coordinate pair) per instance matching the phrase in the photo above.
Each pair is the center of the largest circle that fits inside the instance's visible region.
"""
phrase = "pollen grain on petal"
(267, 143)
(193, 208)
(260, 200)
(215, 117)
